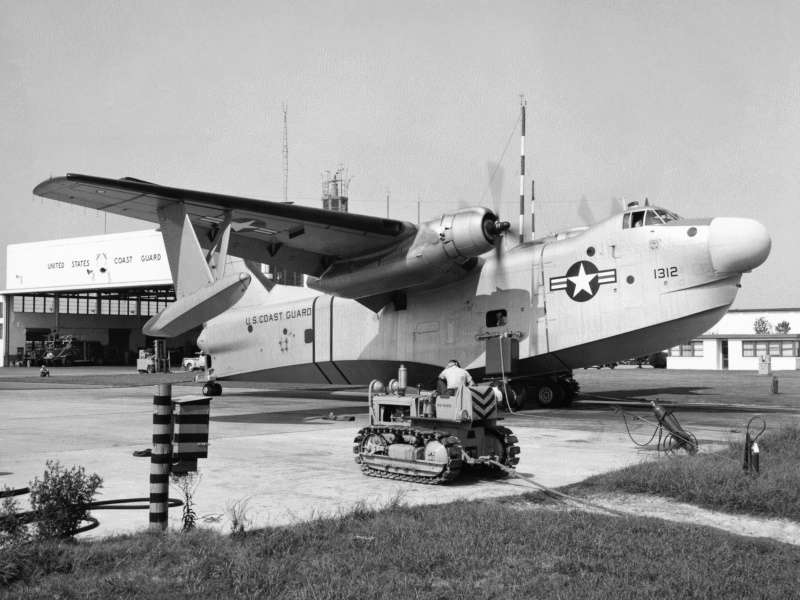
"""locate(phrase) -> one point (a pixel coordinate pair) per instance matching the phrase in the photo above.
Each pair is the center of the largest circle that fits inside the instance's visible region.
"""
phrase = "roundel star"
(582, 282)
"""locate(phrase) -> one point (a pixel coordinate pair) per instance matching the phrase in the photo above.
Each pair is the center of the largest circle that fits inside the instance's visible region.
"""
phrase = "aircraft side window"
(637, 219)
(496, 318)
(626, 221)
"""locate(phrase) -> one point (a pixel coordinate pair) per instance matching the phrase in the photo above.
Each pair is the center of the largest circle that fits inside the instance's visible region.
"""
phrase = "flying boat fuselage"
(637, 283)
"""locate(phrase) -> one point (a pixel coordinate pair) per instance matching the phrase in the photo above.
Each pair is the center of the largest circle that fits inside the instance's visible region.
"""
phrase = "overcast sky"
(695, 105)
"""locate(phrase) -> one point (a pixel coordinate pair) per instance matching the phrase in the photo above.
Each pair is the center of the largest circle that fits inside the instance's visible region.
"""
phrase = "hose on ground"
(544, 488)
(30, 516)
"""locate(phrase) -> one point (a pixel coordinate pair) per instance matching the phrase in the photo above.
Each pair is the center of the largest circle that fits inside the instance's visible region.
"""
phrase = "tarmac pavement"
(267, 448)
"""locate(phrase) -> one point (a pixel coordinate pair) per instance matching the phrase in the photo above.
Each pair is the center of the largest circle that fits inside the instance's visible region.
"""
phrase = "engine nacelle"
(469, 232)
(444, 250)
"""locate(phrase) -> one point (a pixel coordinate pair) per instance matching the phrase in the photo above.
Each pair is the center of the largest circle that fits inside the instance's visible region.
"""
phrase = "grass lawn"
(475, 550)
(688, 387)
(716, 480)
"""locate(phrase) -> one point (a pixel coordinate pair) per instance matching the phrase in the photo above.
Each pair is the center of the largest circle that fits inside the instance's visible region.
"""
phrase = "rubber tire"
(151, 369)
(517, 396)
(98, 360)
(67, 361)
(142, 371)
(208, 390)
(549, 395)
(568, 391)
(187, 367)
(217, 389)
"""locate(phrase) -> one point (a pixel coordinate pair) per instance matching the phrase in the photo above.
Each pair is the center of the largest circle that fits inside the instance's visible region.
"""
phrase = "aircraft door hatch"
(322, 349)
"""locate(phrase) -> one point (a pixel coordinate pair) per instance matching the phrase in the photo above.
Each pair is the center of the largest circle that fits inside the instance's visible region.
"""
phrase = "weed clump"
(60, 500)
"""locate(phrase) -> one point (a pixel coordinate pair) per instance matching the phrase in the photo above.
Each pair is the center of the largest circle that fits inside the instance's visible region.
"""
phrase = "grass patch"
(716, 480)
(476, 550)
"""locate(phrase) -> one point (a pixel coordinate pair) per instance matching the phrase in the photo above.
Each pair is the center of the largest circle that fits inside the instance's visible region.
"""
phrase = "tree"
(783, 327)
(761, 326)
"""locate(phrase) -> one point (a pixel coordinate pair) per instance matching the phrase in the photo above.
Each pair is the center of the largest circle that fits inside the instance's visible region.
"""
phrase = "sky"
(694, 105)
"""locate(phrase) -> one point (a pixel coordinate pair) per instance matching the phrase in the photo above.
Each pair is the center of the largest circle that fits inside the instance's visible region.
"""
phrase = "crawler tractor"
(430, 438)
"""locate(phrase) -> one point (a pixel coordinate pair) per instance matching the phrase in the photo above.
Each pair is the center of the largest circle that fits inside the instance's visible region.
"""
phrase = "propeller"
(496, 174)
(586, 214)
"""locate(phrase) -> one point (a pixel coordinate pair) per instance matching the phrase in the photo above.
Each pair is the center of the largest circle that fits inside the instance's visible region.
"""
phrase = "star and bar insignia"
(583, 280)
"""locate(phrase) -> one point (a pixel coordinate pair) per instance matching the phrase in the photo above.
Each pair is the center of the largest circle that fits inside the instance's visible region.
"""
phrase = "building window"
(777, 348)
(33, 304)
(691, 349)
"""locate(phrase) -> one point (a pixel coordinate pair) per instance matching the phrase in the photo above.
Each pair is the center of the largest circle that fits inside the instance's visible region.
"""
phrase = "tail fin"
(199, 295)
(190, 271)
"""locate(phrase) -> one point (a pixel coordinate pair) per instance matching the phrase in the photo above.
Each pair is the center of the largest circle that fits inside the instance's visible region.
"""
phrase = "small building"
(733, 344)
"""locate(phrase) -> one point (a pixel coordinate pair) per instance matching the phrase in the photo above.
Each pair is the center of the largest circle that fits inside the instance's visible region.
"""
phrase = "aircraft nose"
(737, 245)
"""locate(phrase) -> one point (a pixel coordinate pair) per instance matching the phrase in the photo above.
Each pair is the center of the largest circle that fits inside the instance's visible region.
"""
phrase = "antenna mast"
(285, 154)
(522, 174)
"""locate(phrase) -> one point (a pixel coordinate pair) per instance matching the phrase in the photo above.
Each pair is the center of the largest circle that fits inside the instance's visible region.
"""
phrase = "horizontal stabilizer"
(195, 309)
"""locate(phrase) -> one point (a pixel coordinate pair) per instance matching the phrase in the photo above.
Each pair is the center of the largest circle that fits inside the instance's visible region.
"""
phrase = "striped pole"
(522, 177)
(161, 457)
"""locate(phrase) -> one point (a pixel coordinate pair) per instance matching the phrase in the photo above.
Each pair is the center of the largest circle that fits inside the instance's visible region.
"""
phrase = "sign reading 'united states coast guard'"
(583, 280)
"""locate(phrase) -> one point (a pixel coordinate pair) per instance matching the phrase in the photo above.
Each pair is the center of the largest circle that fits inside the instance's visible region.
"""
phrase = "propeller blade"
(585, 212)
(496, 174)
(617, 206)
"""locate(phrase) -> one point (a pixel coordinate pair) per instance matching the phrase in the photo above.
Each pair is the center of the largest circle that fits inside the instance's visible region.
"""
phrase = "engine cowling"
(444, 250)
(469, 232)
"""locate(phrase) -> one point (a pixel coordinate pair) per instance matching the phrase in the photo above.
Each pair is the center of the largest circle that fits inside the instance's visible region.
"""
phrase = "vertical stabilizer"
(190, 272)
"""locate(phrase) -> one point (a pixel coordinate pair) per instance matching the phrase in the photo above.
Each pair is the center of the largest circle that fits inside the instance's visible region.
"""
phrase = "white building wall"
(134, 258)
(707, 361)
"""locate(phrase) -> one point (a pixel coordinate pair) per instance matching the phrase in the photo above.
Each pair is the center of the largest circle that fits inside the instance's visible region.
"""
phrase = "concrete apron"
(288, 472)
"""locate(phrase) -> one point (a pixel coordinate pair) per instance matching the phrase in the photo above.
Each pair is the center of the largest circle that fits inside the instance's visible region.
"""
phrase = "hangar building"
(99, 290)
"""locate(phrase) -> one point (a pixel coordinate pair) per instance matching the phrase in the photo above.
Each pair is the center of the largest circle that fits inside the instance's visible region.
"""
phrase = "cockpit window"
(657, 216)
(666, 215)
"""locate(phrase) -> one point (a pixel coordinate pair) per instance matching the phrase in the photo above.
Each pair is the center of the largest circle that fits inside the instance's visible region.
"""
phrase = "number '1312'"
(666, 272)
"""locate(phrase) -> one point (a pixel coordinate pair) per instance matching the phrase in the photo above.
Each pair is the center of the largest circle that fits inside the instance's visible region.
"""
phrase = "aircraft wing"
(283, 235)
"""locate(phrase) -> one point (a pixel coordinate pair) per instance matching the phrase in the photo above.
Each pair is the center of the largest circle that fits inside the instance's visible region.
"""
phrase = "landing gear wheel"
(549, 395)
(516, 395)
(212, 388)
(568, 390)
